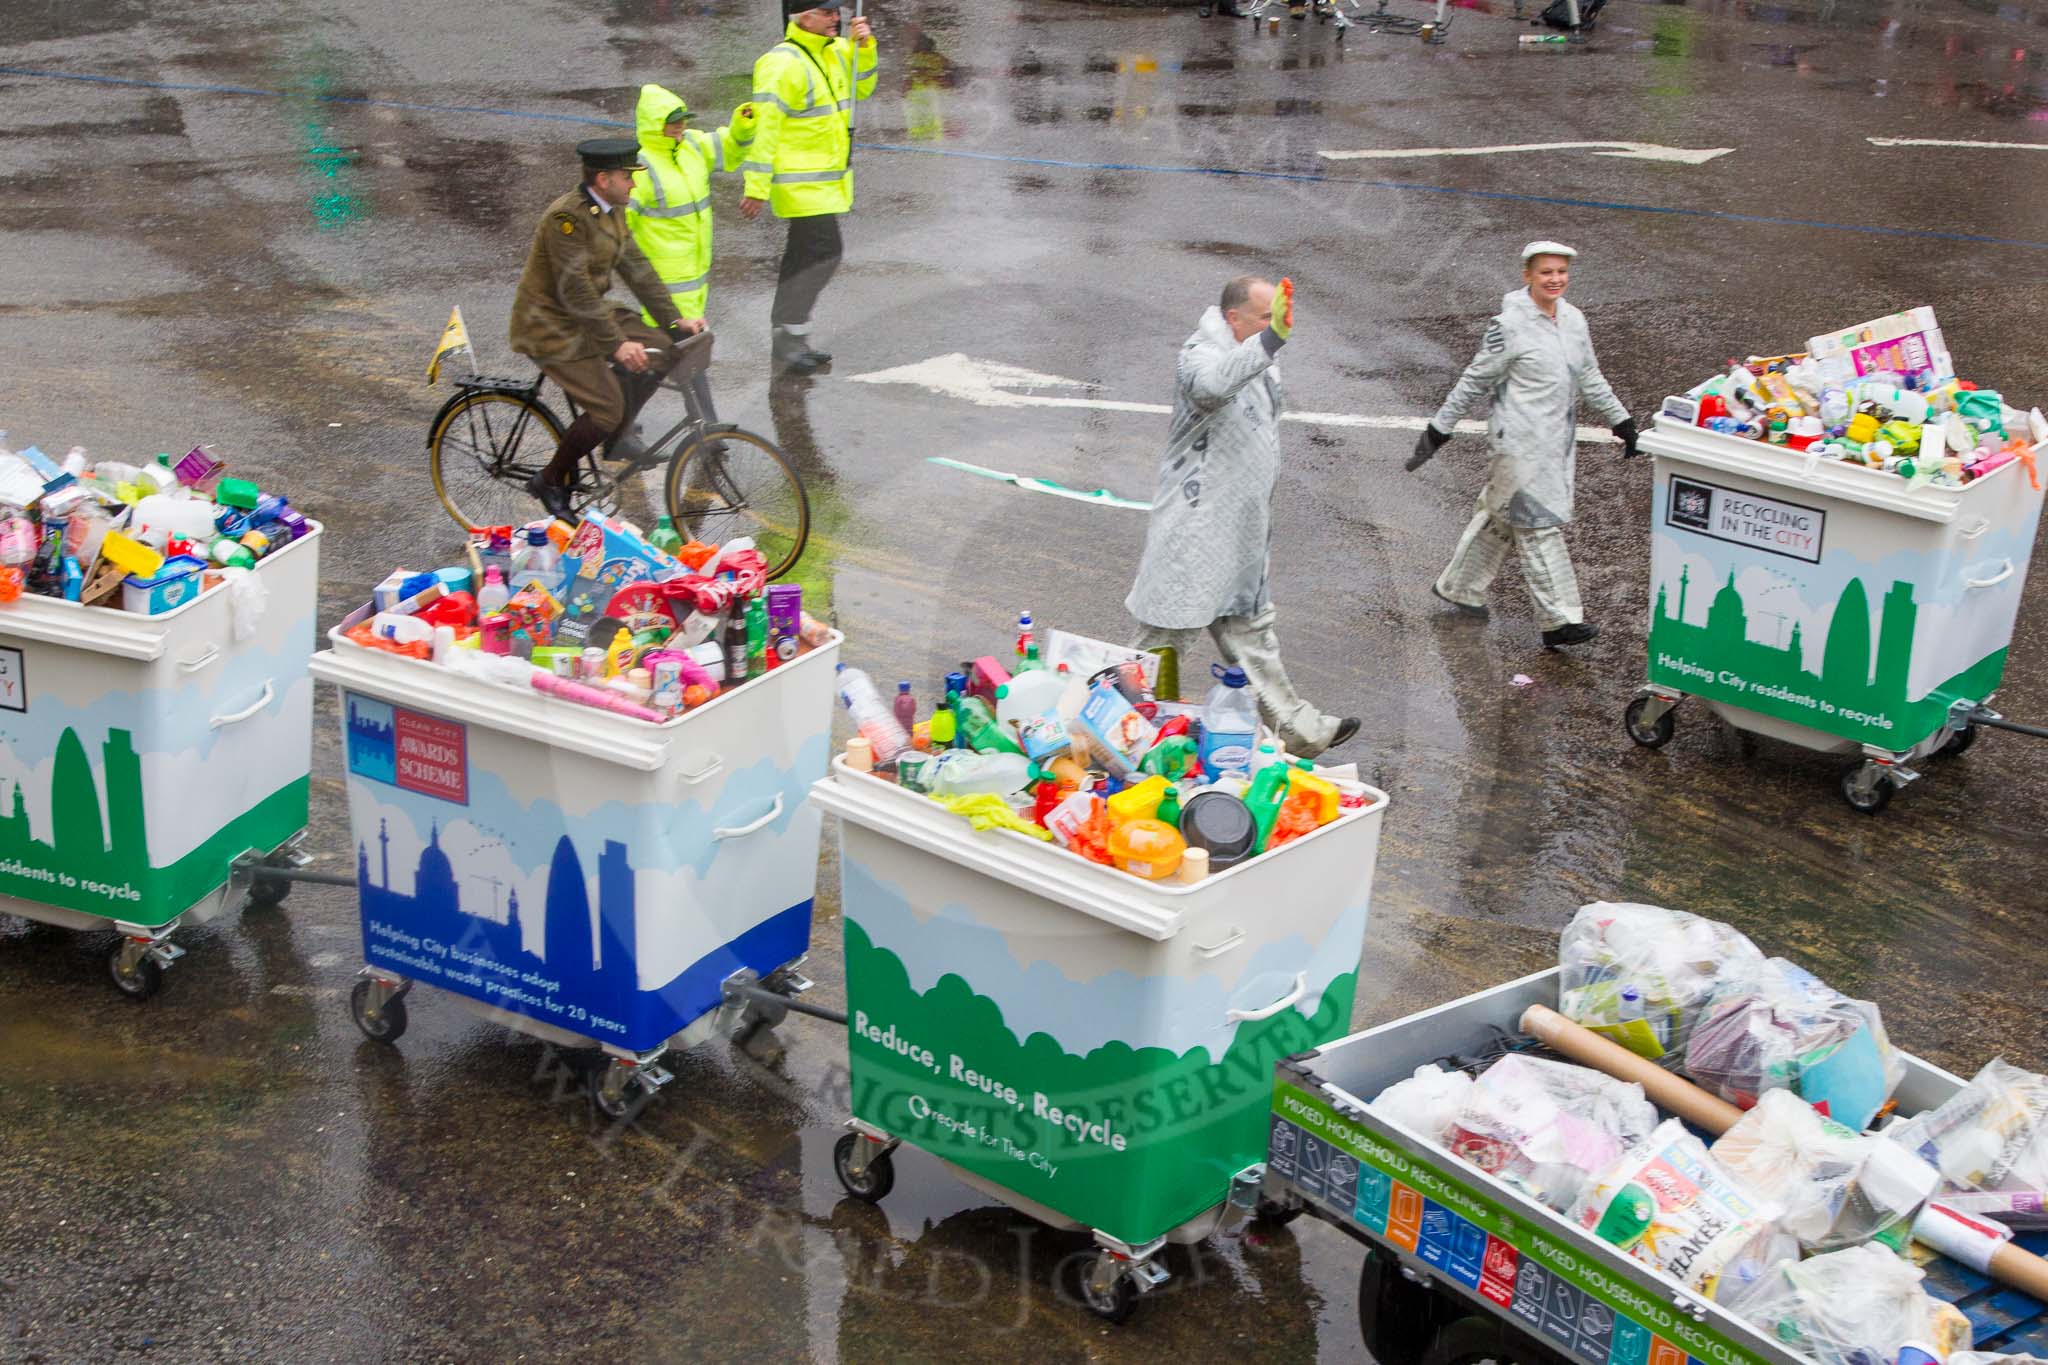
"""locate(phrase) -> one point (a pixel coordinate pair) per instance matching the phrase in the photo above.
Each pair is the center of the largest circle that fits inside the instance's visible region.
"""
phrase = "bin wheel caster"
(1114, 1305)
(139, 979)
(1866, 794)
(871, 1186)
(267, 893)
(384, 1025)
(1275, 1214)
(622, 1103)
(1959, 743)
(1653, 734)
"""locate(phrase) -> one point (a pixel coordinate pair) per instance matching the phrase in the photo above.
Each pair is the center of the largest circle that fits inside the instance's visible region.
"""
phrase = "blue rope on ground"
(1307, 178)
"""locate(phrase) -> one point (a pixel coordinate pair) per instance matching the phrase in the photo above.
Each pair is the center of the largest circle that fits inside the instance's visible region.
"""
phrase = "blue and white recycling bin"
(578, 874)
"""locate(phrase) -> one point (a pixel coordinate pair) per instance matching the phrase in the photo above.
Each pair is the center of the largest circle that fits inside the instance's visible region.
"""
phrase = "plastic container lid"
(1220, 823)
(1232, 676)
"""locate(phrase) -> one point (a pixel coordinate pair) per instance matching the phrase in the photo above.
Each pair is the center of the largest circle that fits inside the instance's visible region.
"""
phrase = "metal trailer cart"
(1086, 1047)
(585, 878)
(148, 763)
(1460, 1267)
(1829, 605)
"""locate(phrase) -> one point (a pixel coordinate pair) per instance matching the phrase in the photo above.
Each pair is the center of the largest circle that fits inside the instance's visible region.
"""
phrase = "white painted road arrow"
(1944, 142)
(1630, 151)
(992, 384)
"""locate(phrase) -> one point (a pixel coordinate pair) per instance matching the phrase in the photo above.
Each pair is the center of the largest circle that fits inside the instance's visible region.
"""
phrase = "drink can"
(914, 771)
(668, 686)
(566, 666)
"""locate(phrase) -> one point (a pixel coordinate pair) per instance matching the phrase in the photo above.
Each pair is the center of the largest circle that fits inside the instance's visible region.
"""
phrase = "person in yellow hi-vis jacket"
(801, 164)
(670, 211)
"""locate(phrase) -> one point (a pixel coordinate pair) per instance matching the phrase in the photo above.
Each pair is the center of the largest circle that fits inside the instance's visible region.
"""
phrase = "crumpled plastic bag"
(248, 599)
(1669, 1204)
(1837, 1188)
(1777, 1026)
(1990, 1141)
(1668, 958)
(1427, 1102)
(1546, 1127)
(1853, 1307)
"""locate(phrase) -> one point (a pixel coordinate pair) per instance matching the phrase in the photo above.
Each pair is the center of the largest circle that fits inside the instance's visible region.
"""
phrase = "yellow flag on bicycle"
(454, 337)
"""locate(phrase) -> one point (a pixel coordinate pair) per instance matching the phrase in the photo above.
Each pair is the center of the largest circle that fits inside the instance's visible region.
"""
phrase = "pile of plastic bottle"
(1075, 748)
(1882, 396)
(145, 538)
(645, 626)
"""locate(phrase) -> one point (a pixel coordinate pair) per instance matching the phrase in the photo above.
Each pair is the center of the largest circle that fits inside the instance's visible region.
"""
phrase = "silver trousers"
(1249, 643)
(1546, 568)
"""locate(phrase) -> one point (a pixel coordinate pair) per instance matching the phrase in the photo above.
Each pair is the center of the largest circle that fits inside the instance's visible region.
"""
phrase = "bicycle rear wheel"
(728, 483)
(482, 451)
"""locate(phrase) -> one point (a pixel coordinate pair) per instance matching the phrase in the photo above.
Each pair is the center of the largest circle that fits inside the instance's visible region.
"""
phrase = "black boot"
(1577, 633)
(794, 354)
(551, 485)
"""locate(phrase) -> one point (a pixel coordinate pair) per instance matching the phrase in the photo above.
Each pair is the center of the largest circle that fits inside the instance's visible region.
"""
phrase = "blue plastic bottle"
(1230, 724)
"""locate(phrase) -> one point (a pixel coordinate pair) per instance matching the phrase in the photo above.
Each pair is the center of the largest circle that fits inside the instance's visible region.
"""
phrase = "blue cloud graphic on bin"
(1174, 1012)
(177, 719)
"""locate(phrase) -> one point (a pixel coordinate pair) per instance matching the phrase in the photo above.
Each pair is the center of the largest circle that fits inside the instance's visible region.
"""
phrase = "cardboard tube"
(2008, 1264)
(1674, 1094)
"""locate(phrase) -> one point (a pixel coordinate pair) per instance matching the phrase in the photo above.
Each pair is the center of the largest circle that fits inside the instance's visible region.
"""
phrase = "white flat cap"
(1546, 249)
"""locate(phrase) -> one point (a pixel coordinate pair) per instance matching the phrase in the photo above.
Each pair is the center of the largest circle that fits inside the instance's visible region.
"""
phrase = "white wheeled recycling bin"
(141, 756)
(1834, 606)
(1090, 1048)
(581, 876)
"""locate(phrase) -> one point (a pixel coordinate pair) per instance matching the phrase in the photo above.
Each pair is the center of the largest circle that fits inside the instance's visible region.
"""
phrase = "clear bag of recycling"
(1990, 1141)
(1640, 974)
(1427, 1102)
(1546, 1127)
(1853, 1307)
(1669, 1204)
(1837, 1188)
(1777, 1026)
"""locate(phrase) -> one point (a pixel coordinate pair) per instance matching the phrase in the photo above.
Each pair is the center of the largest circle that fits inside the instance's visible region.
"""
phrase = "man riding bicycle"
(561, 321)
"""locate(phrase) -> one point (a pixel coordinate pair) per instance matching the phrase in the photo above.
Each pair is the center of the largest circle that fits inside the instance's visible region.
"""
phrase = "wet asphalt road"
(230, 1172)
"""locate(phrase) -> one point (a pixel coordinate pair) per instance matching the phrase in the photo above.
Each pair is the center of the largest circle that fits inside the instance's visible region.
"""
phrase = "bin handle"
(1977, 528)
(1992, 581)
(1222, 945)
(709, 770)
(199, 661)
(269, 691)
(1300, 989)
(741, 831)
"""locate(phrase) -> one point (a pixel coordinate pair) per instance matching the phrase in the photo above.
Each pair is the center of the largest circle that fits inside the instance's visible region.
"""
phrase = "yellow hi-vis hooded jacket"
(670, 211)
(804, 89)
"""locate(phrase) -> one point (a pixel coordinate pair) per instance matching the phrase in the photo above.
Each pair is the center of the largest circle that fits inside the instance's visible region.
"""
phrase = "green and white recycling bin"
(1830, 605)
(142, 755)
(1087, 1047)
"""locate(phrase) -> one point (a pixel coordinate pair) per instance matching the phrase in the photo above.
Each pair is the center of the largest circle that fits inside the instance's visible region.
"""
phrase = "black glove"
(1426, 446)
(1625, 432)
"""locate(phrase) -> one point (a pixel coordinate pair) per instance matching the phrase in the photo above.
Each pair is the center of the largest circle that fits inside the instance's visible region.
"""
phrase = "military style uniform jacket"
(560, 313)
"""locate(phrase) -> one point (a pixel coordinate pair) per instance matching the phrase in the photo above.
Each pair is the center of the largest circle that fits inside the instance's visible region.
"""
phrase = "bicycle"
(496, 433)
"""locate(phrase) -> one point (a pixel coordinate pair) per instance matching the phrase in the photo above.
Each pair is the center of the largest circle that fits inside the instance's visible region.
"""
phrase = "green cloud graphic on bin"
(1121, 1102)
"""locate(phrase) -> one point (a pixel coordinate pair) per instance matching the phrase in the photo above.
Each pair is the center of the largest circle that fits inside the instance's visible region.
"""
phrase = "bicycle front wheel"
(483, 450)
(729, 483)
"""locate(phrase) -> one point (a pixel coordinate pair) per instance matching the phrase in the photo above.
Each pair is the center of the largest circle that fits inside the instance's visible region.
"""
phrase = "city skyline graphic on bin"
(575, 951)
(372, 748)
(82, 844)
(1846, 675)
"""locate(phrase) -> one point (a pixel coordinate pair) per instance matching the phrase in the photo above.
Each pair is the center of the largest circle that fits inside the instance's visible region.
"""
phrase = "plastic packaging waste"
(1669, 1204)
(1837, 1188)
(1427, 1102)
(1989, 1141)
(1773, 1025)
(1670, 958)
(871, 716)
(1851, 1307)
(962, 772)
(1230, 724)
(1547, 1128)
